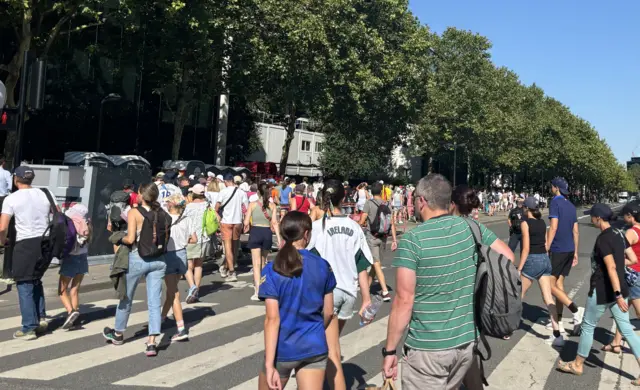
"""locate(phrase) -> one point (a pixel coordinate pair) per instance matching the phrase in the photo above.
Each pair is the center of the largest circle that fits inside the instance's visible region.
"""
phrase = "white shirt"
(212, 197)
(32, 212)
(232, 213)
(180, 232)
(341, 242)
(6, 182)
(195, 212)
(166, 190)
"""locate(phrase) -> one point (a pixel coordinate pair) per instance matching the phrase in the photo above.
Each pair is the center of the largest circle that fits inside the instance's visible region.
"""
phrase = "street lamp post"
(455, 146)
(112, 97)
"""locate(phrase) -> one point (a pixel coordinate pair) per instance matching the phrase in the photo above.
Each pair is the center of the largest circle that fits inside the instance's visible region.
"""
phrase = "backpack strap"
(52, 203)
(229, 200)
(481, 338)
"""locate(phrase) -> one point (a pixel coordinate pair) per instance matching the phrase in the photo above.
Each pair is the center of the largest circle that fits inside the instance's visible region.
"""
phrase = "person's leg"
(591, 318)
(28, 309)
(229, 253)
(625, 327)
(256, 261)
(334, 372)
(310, 378)
(74, 292)
(154, 279)
(547, 298)
(132, 279)
(38, 296)
(526, 284)
(171, 281)
(63, 293)
(513, 242)
(197, 272)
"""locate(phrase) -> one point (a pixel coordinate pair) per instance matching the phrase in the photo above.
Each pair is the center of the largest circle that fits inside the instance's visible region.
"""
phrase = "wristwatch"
(617, 294)
(386, 353)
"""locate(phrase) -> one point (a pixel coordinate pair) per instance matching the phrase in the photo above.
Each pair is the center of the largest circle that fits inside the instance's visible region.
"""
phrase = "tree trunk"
(181, 116)
(291, 130)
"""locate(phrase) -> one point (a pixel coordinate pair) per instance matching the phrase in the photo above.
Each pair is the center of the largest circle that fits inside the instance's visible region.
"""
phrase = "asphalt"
(217, 346)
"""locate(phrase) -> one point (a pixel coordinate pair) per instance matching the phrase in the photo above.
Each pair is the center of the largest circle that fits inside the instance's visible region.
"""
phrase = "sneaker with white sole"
(232, 277)
(224, 272)
(386, 297)
(556, 342)
(71, 320)
(560, 325)
(255, 298)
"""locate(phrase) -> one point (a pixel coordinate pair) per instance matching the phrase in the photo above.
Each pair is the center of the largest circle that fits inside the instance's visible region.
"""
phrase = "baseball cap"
(530, 203)
(159, 175)
(197, 189)
(228, 177)
(24, 172)
(633, 209)
(211, 174)
(219, 177)
(600, 210)
(237, 179)
(562, 185)
(171, 175)
(272, 181)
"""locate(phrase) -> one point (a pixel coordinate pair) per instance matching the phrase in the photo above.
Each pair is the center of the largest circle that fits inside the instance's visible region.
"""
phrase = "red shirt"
(133, 198)
(636, 249)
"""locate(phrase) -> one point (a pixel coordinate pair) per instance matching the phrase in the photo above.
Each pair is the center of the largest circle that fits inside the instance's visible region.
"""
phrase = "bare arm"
(551, 233)
(576, 241)
(526, 245)
(402, 307)
(275, 222)
(327, 309)
(4, 227)
(271, 330)
(502, 248)
(363, 279)
(132, 227)
(363, 219)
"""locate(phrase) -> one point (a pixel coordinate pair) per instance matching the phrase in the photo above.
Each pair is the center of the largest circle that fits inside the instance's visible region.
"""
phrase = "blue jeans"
(153, 271)
(592, 315)
(32, 308)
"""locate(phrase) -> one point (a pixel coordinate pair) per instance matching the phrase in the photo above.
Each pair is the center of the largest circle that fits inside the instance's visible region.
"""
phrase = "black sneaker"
(151, 351)
(110, 335)
(71, 320)
(180, 336)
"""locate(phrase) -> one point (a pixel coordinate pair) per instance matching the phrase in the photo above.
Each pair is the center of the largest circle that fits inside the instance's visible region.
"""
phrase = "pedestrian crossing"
(232, 340)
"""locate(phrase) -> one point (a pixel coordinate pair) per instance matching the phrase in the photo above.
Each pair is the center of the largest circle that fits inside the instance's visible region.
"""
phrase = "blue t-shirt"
(301, 301)
(284, 195)
(565, 212)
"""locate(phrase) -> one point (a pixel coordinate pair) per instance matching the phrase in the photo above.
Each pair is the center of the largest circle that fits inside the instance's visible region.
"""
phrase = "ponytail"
(536, 213)
(288, 261)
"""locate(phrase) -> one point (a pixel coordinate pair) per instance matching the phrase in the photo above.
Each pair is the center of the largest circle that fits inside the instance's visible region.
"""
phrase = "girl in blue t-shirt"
(298, 290)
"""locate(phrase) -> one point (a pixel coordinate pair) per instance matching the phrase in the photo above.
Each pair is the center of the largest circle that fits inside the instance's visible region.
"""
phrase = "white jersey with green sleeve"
(343, 244)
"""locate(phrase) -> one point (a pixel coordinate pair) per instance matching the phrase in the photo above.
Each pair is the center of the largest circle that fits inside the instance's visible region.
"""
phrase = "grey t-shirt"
(371, 209)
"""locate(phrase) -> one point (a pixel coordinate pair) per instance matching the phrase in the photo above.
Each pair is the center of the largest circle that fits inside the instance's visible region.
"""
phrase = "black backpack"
(118, 202)
(155, 232)
(61, 232)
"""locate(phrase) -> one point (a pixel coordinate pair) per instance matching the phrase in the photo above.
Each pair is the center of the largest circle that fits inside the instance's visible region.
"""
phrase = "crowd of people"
(331, 239)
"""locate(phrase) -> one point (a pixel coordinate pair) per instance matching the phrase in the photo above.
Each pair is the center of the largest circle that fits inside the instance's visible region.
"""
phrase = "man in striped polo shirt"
(436, 269)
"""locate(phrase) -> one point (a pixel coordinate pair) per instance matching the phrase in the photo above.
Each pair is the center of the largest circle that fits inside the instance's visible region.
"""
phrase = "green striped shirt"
(442, 253)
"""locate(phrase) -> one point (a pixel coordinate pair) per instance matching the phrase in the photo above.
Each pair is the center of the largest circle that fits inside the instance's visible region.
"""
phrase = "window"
(319, 147)
(306, 146)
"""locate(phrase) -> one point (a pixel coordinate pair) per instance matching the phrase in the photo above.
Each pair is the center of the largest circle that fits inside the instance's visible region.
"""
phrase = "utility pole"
(455, 145)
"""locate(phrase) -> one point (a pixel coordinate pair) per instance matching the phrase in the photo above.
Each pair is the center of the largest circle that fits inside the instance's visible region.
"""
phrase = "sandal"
(568, 368)
(635, 382)
(612, 348)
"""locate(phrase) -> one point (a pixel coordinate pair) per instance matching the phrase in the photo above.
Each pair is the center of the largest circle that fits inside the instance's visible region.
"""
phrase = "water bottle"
(370, 311)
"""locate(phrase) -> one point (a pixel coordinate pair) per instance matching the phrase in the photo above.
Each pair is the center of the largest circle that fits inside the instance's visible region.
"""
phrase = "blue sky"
(584, 53)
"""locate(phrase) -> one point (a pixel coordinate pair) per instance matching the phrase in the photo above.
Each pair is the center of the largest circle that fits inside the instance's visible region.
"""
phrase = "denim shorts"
(634, 291)
(343, 304)
(537, 266)
(74, 265)
(176, 262)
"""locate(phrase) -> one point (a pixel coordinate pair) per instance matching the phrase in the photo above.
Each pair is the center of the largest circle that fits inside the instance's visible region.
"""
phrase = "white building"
(304, 152)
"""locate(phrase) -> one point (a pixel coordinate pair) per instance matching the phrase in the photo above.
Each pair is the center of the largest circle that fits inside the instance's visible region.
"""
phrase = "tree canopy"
(368, 72)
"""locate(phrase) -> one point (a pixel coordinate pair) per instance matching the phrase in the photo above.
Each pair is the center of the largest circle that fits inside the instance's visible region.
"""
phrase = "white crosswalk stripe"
(75, 363)
(15, 322)
(13, 347)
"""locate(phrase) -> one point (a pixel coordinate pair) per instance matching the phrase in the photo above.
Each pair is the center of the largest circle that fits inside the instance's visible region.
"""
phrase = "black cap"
(24, 172)
(600, 210)
(531, 203)
(228, 177)
(633, 209)
(170, 176)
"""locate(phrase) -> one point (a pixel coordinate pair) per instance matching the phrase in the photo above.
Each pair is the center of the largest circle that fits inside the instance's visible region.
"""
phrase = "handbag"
(389, 384)
(631, 276)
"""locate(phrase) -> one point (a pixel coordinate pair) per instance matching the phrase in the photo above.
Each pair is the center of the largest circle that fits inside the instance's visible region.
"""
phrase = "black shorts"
(561, 263)
(260, 238)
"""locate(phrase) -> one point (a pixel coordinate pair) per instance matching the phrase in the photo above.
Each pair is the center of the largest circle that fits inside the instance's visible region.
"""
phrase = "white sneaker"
(556, 342)
(232, 277)
(255, 298)
(560, 326)
(224, 272)
(578, 317)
